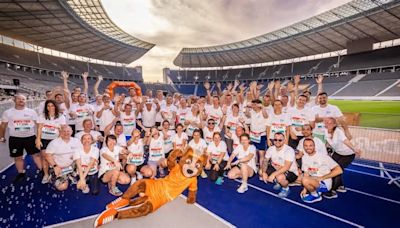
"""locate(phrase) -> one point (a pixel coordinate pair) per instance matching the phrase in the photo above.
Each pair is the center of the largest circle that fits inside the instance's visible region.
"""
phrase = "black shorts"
(17, 145)
(290, 176)
(45, 143)
(138, 168)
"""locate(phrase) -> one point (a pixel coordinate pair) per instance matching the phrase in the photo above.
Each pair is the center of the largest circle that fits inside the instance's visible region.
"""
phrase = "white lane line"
(365, 173)
(211, 213)
(5, 168)
(372, 195)
(72, 221)
(304, 206)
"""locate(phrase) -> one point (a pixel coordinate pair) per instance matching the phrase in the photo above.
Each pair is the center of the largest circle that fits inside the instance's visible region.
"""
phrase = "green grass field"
(380, 114)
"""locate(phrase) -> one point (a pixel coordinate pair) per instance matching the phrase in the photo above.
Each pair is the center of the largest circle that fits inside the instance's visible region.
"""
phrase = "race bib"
(312, 171)
(92, 170)
(66, 170)
(182, 118)
(255, 137)
(275, 128)
(135, 159)
(49, 130)
(214, 158)
(23, 125)
(156, 152)
(82, 113)
(190, 130)
(129, 122)
(298, 121)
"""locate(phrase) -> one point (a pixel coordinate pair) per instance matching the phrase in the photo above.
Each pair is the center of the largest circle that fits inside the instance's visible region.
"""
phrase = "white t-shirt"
(136, 153)
(319, 146)
(199, 147)
(121, 139)
(106, 165)
(328, 111)
(337, 142)
(181, 114)
(208, 134)
(236, 140)
(232, 122)
(149, 117)
(83, 112)
(215, 151)
(214, 113)
(278, 123)
(94, 134)
(162, 104)
(21, 123)
(63, 152)
(278, 158)
(87, 157)
(240, 153)
(106, 117)
(258, 126)
(50, 129)
(156, 149)
(196, 119)
(178, 140)
(168, 111)
(96, 107)
(128, 122)
(300, 117)
(318, 164)
(71, 120)
(168, 146)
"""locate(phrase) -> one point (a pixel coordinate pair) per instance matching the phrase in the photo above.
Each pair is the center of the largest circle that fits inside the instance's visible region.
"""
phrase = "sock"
(314, 193)
(286, 188)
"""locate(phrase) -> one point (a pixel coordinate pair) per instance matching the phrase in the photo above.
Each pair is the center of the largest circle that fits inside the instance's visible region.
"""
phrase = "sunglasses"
(278, 140)
(212, 123)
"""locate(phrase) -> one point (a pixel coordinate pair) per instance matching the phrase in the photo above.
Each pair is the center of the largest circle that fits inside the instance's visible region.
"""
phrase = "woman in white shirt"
(87, 164)
(48, 127)
(344, 153)
(110, 167)
(193, 120)
(156, 152)
(135, 159)
(180, 138)
(217, 157)
(245, 165)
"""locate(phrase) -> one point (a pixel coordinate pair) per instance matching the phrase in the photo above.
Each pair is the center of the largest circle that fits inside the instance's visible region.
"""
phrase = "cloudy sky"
(173, 24)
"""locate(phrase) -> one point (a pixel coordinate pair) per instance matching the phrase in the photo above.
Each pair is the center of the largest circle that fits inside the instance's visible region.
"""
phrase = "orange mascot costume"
(154, 193)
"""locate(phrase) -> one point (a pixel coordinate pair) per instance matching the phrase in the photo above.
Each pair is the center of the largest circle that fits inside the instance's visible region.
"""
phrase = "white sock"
(285, 188)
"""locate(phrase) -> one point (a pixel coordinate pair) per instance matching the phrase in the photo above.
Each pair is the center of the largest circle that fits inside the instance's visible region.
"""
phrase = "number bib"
(23, 125)
(255, 137)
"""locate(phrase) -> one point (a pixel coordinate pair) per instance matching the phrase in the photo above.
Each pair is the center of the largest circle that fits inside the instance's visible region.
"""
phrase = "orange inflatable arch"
(117, 84)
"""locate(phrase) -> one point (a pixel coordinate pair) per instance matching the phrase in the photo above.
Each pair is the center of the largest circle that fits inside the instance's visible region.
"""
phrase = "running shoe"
(105, 217)
(203, 174)
(242, 189)
(86, 190)
(284, 193)
(330, 195)
(341, 189)
(118, 203)
(20, 177)
(219, 181)
(311, 199)
(115, 191)
(46, 179)
(277, 186)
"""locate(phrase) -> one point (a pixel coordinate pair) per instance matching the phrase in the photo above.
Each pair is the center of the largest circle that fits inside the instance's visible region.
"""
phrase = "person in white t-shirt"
(277, 122)
(59, 155)
(128, 120)
(116, 128)
(199, 146)
(324, 111)
(148, 109)
(111, 169)
(168, 112)
(209, 130)
(231, 123)
(87, 160)
(180, 138)
(245, 165)
(193, 120)
(215, 111)
(136, 159)
(240, 130)
(88, 129)
(156, 152)
(344, 153)
(320, 147)
(182, 111)
(282, 168)
(106, 113)
(48, 128)
(217, 157)
(298, 117)
(81, 112)
(20, 122)
(167, 135)
(319, 169)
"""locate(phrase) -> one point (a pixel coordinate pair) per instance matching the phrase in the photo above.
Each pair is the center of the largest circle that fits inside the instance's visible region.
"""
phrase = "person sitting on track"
(217, 157)
(136, 160)
(245, 165)
(156, 152)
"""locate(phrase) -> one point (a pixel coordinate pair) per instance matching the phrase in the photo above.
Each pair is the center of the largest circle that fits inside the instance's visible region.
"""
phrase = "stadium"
(82, 127)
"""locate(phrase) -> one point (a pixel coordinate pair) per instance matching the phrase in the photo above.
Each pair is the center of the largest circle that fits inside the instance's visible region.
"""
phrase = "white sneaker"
(243, 188)
(133, 180)
(139, 176)
(46, 179)
(203, 174)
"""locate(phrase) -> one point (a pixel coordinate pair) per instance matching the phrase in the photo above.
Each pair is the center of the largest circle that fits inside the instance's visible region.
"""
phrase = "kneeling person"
(282, 168)
(319, 169)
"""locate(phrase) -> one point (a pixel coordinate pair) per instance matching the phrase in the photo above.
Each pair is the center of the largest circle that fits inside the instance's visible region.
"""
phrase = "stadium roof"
(79, 27)
(378, 20)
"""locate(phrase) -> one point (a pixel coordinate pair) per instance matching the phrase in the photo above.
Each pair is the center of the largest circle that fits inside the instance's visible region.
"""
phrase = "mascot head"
(192, 164)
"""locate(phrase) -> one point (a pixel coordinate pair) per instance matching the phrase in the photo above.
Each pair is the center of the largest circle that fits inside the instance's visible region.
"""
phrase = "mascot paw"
(191, 200)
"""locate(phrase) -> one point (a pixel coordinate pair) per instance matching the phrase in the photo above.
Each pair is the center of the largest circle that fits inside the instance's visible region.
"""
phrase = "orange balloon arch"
(117, 84)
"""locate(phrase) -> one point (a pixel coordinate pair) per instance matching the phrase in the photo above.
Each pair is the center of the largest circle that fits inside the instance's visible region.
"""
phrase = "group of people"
(285, 137)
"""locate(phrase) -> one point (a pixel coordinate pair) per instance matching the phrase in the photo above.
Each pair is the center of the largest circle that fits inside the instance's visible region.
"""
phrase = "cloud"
(173, 24)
